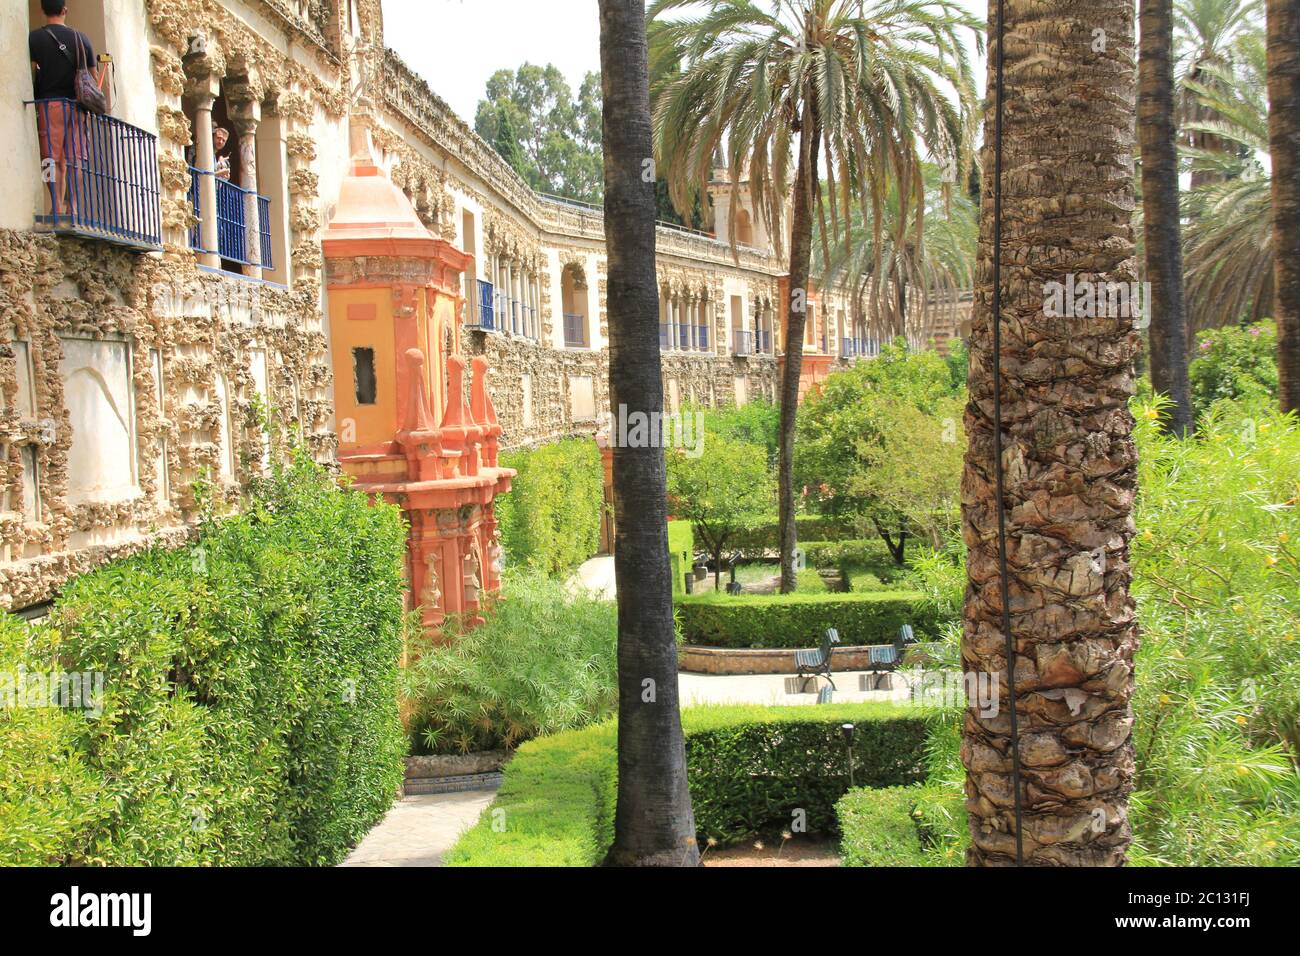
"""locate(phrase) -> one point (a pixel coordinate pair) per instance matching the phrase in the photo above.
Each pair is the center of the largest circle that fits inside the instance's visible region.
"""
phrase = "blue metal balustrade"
(848, 347)
(702, 337)
(233, 237)
(102, 176)
(665, 338)
(742, 342)
(763, 341)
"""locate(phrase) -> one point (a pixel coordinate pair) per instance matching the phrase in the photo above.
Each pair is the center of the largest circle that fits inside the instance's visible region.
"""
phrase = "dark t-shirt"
(56, 70)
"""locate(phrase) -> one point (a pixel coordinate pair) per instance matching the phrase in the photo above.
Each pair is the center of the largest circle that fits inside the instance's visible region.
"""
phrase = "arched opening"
(744, 228)
(573, 297)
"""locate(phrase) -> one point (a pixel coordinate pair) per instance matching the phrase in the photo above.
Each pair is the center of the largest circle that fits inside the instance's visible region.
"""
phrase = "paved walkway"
(418, 830)
(597, 576)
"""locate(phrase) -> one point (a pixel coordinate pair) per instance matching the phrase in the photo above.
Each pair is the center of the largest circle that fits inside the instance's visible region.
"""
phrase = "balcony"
(849, 348)
(102, 176)
(763, 342)
(742, 342)
(237, 242)
(575, 331)
(484, 316)
(702, 337)
(665, 338)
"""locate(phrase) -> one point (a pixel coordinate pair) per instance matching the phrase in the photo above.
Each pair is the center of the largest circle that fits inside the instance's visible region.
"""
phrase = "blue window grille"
(743, 342)
(234, 243)
(486, 317)
(575, 331)
(102, 176)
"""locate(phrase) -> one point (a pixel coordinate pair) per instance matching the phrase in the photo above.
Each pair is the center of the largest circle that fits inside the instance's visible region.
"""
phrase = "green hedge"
(681, 554)
(799, 620)
(550, 520)
(899, 826)
(249, 714)
(750, 769)
(754, 542)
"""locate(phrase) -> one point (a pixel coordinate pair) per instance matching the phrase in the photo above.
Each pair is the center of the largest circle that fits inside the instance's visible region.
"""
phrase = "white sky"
(457, 44)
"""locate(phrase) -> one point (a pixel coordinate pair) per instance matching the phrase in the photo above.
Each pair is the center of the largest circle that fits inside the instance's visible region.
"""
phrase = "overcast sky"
(457, 44)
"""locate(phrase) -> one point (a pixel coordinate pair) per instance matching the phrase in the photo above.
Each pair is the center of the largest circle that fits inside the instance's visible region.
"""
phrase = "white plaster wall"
(98, 396)
(20, 163)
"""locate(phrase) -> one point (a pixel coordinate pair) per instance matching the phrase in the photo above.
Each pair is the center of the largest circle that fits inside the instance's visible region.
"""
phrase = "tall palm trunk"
(805, 184)
(653, 823)
(1165, 306)
(1284, 148)
(1069, 457)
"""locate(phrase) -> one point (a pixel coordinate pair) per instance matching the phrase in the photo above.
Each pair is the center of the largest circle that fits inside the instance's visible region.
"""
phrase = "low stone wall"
(756, 660)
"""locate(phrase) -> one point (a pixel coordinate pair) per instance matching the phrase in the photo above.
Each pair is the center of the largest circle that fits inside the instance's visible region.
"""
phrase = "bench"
(889, 656)
(816, 660)
(824, 695)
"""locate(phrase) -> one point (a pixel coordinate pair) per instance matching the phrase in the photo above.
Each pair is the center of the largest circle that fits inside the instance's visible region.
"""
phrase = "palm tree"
(856, 88)
(1205, 32)
(653, 824)
(1068, 472)
(1162, 249)
(1228, 249)
(938, 267)
(1284, 137)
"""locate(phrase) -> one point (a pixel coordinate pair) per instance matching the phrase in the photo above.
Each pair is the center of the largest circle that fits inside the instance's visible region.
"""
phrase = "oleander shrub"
(753, 771)
(550, 520)
(543, 661)
(249, 713)
(1234, 363)
(800, 619)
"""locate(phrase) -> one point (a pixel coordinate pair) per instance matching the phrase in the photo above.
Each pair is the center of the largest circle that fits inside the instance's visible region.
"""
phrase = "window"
(363, 375)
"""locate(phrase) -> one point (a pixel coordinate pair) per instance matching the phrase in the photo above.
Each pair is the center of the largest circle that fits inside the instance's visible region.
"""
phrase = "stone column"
(202, 91)
(245, 118)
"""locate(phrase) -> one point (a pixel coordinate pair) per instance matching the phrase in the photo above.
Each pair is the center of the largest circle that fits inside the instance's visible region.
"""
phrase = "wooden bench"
(816, 660)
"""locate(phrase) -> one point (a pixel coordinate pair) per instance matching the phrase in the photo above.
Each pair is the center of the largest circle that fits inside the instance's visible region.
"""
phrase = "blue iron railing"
(665, 338)
(763, 340)
(102, 176)
(702, 337)
(848, 347)
(575, 331)
(233, 239)
(485, 317)
(742, 342)
(684, 337)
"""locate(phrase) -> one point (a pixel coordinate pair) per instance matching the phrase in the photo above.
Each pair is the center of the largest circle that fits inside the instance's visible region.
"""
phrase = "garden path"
(419, 829)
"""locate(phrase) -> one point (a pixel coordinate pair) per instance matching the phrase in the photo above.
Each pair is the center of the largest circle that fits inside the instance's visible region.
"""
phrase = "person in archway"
(57, 51)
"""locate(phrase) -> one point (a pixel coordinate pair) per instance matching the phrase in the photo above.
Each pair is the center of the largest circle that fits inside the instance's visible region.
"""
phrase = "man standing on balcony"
(56, 50)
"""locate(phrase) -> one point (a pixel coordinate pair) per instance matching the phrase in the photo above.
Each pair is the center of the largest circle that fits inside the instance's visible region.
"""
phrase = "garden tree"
(938, 265)
(1205, 32)
(1164, 308)
(1228, 248)
(557, 135)
(913, 471)
(1284, 139)
(653, 822)
(854, 88)
(1065, 181)
(850, 428)
(725, 489)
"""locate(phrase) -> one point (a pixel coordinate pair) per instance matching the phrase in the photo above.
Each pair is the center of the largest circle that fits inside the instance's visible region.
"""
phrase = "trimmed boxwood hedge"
(799, 620)
(750, 769)
(766, 537)
(249, 714)
(550, 521)
(892, 826)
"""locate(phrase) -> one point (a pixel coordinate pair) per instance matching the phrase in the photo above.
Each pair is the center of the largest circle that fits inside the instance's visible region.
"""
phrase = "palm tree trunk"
(653, 824)
(1069, 457)
(1165, 306)
(1284, 148)
(805, 181)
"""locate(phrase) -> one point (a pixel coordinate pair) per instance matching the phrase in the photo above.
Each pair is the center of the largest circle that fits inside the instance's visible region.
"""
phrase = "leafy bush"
(749, 769)
(550, 520)
(1234, 363)
(766, 537)
(249, 714)
(756, 422)
(800, 619)
(899, 826)
(542, 661)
